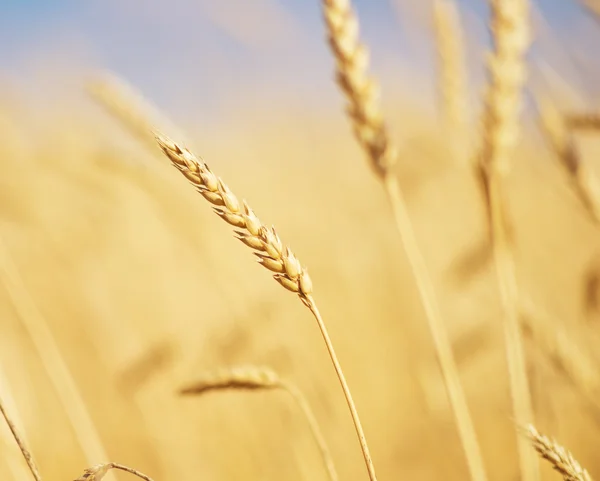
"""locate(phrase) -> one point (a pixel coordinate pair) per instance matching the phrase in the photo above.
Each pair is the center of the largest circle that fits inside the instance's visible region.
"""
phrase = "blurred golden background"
(112, 264)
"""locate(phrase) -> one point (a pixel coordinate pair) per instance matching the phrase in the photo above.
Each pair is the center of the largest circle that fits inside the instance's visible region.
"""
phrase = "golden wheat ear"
(21, 443)
(261, 378)
(271, 253)
(560, 459)
(97, 472)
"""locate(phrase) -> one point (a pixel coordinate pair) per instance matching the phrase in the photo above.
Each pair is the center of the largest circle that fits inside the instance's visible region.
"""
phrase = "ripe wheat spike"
(561, 459)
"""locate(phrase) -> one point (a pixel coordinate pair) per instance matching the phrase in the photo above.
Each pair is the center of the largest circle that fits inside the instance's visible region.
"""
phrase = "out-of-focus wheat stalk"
(369, 128)
(560, 134)
(507, 75)
(21, 443)
(15, 465)
(561, 459)
(452, 83)
(99, 471)
(567, 357)
(257, 378)
(58, 372)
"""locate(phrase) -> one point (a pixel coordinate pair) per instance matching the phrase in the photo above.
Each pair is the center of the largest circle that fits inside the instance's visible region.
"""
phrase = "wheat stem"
(99, 471)
(367, 120)
(314, 427)
(340, 374)
(21, 443)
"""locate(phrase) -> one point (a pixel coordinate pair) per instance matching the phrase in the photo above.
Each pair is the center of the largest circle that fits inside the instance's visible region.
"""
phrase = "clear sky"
(221, 48)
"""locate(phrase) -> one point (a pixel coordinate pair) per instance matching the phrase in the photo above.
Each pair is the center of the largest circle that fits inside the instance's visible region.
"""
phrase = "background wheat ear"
(21, 443)
(256, 378)
(127, 105)
(559, 130)
(507, 74)
(97, 472)
(452, 76)
(560, 459)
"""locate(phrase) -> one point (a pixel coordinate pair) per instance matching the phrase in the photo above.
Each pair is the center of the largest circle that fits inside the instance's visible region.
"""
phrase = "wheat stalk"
(16, 466)
(569, 359)
(21, 443)
(561, 459)
(363, 108)
(99, 471)
(272, 254)
(451, 72)
(261, 378)
(52, 360)
(507, 74)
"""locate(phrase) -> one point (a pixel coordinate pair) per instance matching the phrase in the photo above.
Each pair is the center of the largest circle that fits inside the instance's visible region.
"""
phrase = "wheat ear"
(21, 443)
(561, 459)
(367, 121)
(507, 74)
(54, 364)
(268, 248)
(559, 132)
(261, 378)
(451, 72)
(99, 471)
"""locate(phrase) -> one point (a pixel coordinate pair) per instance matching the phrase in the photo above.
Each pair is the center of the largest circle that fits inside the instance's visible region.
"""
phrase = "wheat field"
(458, 318)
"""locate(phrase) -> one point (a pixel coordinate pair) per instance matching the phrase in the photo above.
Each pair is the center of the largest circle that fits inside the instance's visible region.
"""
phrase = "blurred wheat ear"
(507, 74)
(452, 75)
(560, 130)
(364, 110)
(261, 378)
(561, 459)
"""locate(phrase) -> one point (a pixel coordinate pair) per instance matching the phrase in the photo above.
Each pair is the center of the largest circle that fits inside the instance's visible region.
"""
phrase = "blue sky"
(221, 49)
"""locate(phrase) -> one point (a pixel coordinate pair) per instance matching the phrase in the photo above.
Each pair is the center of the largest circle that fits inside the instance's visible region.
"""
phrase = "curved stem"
(313, 424)
(21, 443)
(311, 304)
(129, 470)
